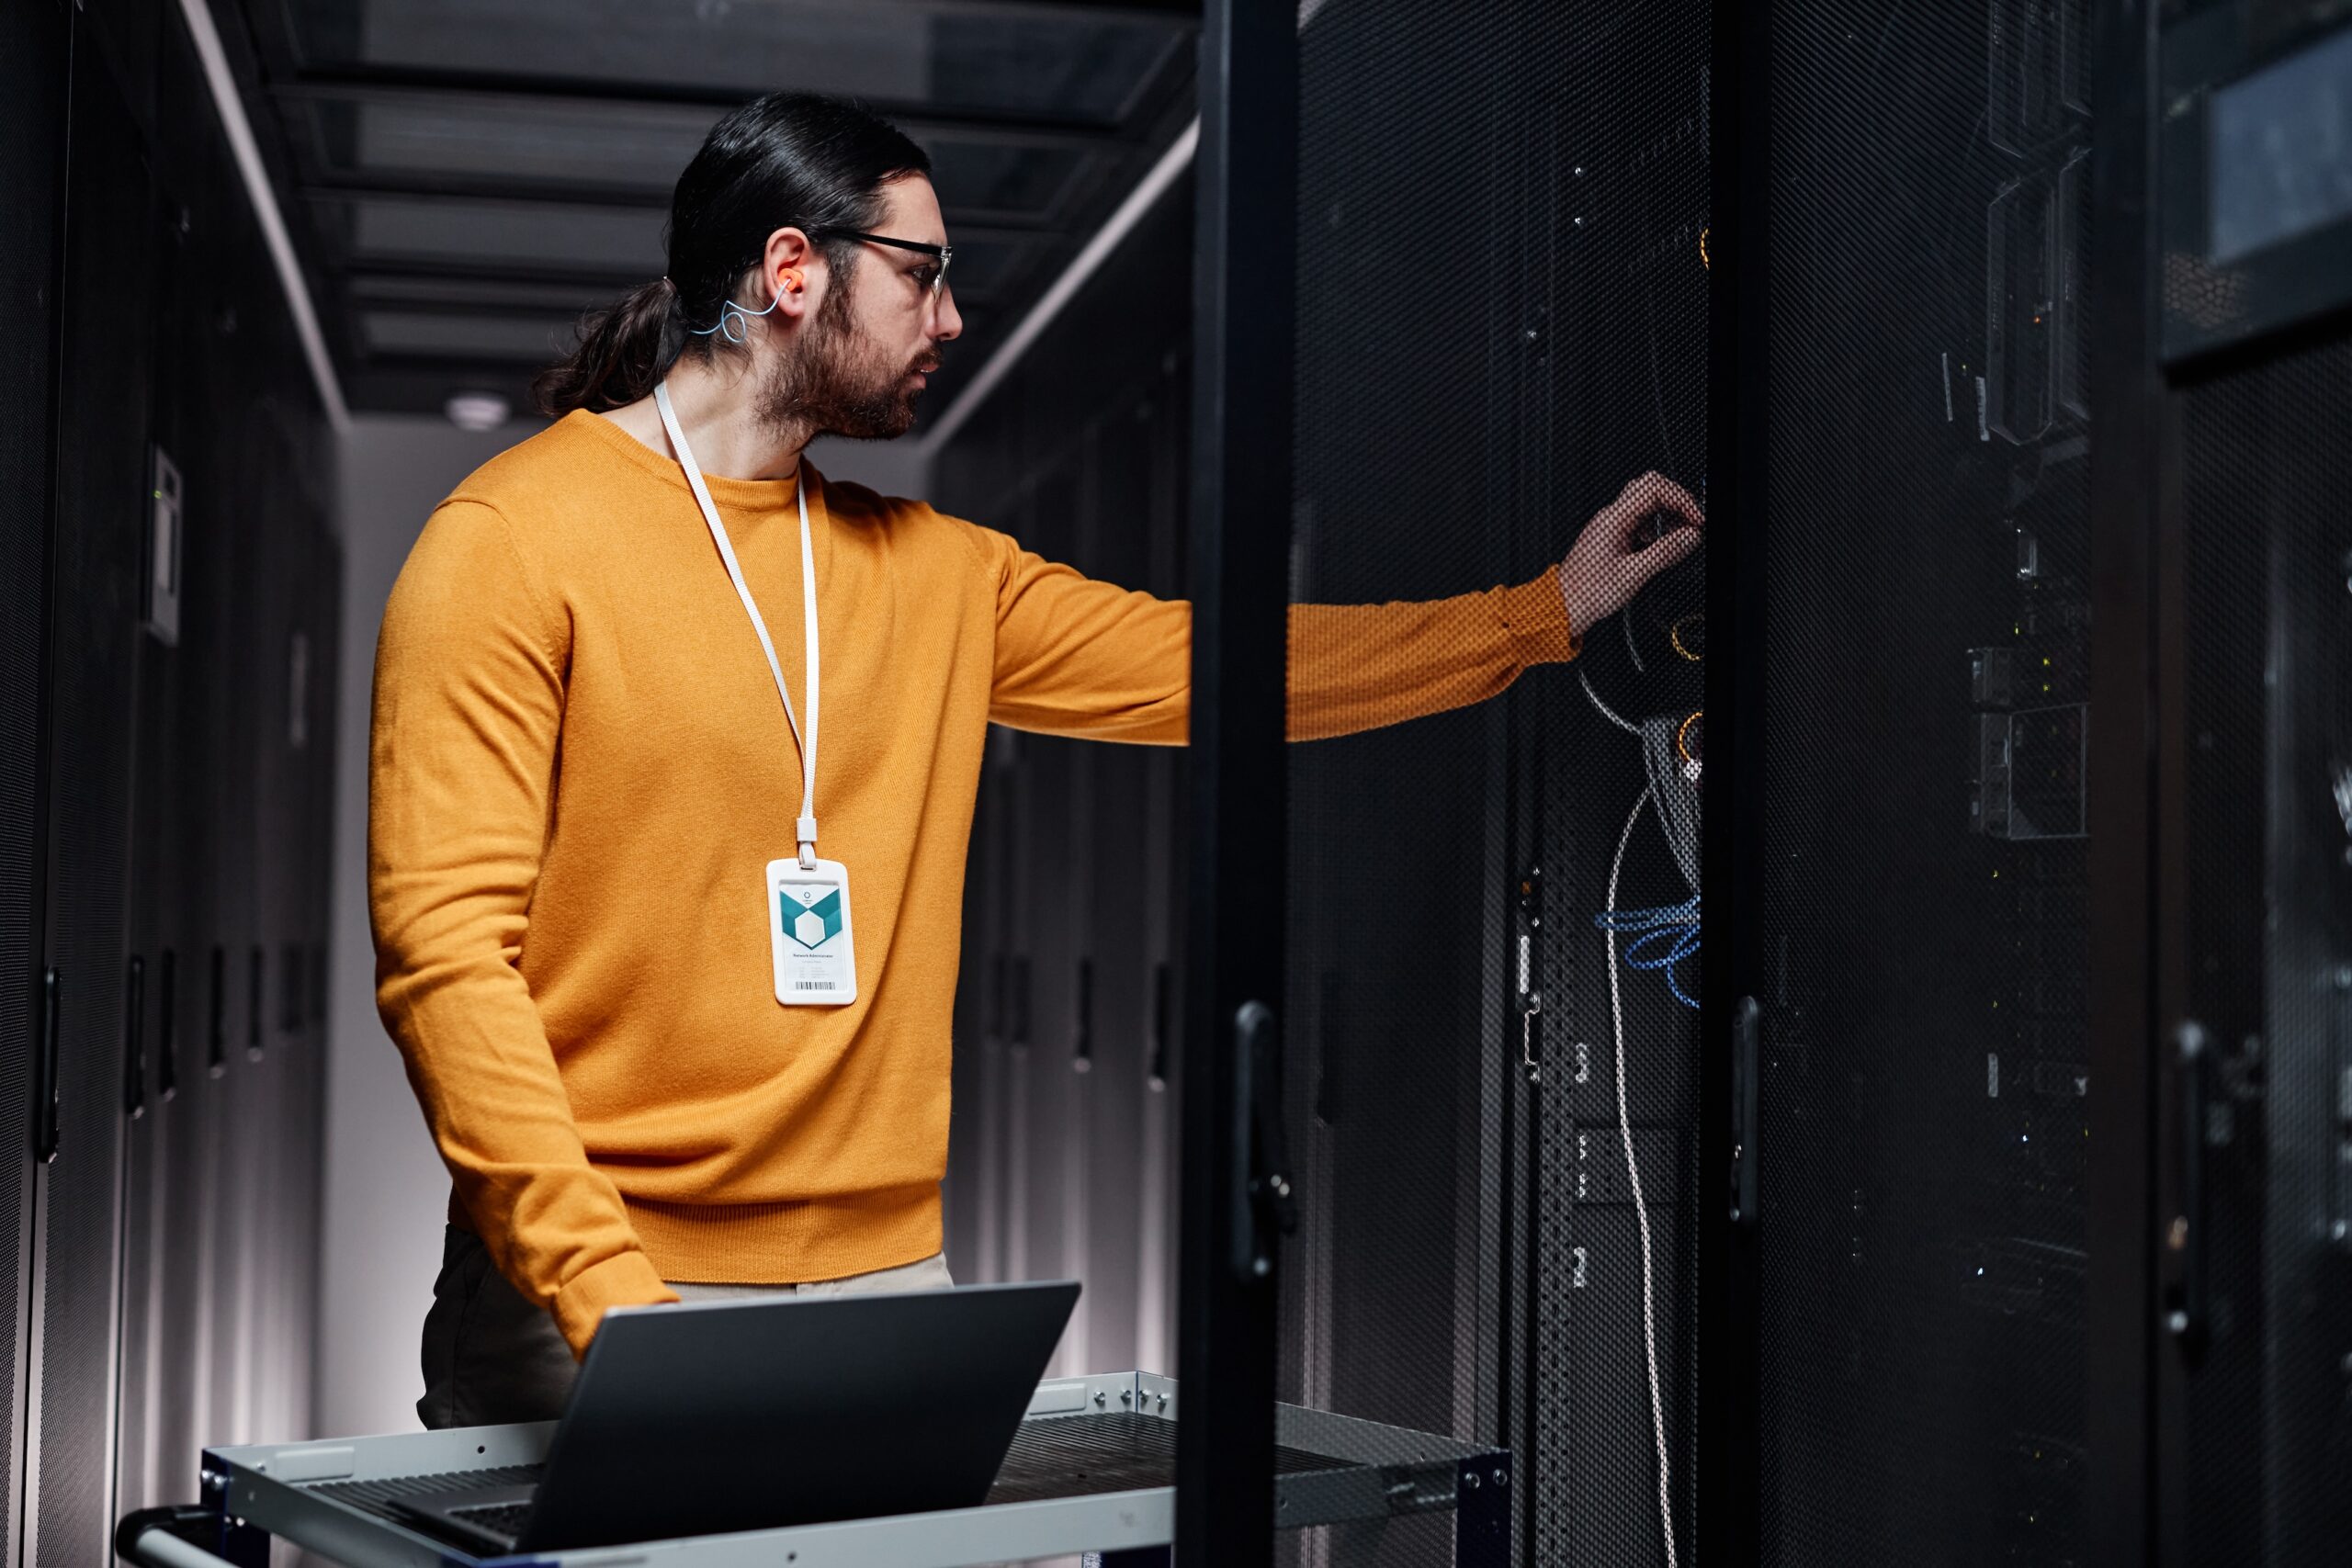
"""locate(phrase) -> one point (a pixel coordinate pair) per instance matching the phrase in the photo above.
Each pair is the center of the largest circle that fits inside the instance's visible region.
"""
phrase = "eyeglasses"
(945, 253)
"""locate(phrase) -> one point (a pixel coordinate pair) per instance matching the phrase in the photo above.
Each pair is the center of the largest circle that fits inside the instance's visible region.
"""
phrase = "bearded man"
(662, 1051)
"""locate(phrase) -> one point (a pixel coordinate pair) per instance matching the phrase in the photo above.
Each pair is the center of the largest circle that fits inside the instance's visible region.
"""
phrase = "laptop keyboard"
(498, 1518)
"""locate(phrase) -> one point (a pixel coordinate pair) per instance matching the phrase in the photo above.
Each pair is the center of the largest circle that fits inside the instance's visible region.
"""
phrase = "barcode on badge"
(815, 986)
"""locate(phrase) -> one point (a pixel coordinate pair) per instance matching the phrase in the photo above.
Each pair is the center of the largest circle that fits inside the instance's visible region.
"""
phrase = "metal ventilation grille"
(379, 1497)
(1922, 1152)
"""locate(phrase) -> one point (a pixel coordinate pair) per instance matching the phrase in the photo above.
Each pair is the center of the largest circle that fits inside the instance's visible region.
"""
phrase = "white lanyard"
(807, 740)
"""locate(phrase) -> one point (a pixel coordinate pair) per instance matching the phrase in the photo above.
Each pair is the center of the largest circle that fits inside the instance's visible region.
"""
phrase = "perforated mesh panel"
(1468, 1259)
(2268, 714)
(1924, 1133)
(1626, 285)
(1390, 1310)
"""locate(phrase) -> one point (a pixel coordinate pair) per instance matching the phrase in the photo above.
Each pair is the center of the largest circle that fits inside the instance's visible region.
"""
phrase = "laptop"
(708, 1417)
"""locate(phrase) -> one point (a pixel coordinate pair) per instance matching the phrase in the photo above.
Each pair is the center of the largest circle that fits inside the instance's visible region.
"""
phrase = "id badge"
(808, 928)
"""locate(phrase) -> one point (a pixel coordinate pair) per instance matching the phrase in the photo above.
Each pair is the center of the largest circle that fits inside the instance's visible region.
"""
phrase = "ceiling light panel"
(1074, 67)
(623, 242)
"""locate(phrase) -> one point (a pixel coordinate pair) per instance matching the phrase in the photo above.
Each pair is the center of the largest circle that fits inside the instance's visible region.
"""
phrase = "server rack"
(1995, 1187)
(1109, 1060)
(1617, 175)
(102, 472)
(1513, 234)
(170, 522)
(1062, 1159)
(2253, 1365)
(32, 156)
(1916, 477)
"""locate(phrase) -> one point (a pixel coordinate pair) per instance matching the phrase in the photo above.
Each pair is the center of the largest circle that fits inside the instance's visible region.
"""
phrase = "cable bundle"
(1673, 924)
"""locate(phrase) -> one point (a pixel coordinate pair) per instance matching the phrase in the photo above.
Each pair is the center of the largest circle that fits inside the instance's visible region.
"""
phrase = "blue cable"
(1674, 923)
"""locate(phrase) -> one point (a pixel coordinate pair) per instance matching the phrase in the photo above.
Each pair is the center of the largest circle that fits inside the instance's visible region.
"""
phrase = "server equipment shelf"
(1090, 1471)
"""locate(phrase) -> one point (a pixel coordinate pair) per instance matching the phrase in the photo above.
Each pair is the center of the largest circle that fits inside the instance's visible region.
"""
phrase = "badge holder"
(808, 928)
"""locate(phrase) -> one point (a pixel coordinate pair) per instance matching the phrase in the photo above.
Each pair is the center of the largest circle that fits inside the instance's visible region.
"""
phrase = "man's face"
(874, 336)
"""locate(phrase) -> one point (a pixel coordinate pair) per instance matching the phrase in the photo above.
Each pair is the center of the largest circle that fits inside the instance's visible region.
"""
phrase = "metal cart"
(1092, 1471)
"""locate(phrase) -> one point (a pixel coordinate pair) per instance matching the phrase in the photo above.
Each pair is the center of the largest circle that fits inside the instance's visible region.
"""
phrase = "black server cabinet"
(157, 928)
(1500, 290)
(1108, 1061)
(2254, 1400)
(2010, 1181)
(33, 89)
(1162, 886)
(98, 522)
(1914, 499)
(169, 592)
(1489, 271)
(2259, 1301)
(1048, 1148)
(219, 1087)
(1605, 1272)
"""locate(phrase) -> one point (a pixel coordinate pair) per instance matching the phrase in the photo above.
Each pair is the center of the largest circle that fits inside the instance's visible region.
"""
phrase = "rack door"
(1915, 452)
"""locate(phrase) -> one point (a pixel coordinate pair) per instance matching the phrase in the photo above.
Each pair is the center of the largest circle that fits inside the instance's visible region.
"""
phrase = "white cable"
(1633, 1176)
(1606, 711)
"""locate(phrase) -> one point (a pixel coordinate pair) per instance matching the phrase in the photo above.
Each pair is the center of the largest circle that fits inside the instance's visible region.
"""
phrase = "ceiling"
(463, 177)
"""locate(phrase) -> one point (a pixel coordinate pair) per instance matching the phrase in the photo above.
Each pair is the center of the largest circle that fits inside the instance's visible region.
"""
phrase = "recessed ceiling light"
(476, 411)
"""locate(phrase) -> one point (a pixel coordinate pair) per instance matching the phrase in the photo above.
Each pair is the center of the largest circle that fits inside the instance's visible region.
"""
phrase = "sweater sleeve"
(1077, 657)
(469, 706)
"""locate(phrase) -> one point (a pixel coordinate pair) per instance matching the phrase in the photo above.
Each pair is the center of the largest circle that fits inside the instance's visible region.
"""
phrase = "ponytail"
(624, 350)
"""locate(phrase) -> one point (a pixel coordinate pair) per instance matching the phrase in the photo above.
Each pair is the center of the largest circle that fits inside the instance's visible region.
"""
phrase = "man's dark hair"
(798, 160)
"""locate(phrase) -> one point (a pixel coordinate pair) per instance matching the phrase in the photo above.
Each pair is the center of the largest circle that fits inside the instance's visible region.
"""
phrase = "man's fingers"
(1663, 552)
(1645, 496)
(1655, 493)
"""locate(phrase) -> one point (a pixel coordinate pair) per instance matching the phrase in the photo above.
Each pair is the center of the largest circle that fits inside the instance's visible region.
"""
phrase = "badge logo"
(811, 916)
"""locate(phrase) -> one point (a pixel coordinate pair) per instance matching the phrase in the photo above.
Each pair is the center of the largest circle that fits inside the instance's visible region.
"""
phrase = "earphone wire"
(728, 314)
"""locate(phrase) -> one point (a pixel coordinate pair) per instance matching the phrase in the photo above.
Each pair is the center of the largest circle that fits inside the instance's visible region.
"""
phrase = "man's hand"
(1616, 554)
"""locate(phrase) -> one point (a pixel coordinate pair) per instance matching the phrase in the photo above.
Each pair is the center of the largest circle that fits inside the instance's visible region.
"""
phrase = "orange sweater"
(579, 770)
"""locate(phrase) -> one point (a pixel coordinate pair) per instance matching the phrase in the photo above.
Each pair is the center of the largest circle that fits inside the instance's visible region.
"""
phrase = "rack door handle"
(255, 995)
(1264, 1204)
(1162, 1022)
(167, 1037)
(45, 1090)
(134, 1040)
(1746, 1108)
(2187, 1312)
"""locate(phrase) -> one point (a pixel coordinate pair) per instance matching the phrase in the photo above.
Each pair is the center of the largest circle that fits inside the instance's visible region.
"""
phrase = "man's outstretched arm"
(1082, 658)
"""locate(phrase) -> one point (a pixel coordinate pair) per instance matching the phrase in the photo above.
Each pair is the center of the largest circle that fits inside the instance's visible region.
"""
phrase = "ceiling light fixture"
(476, 411)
